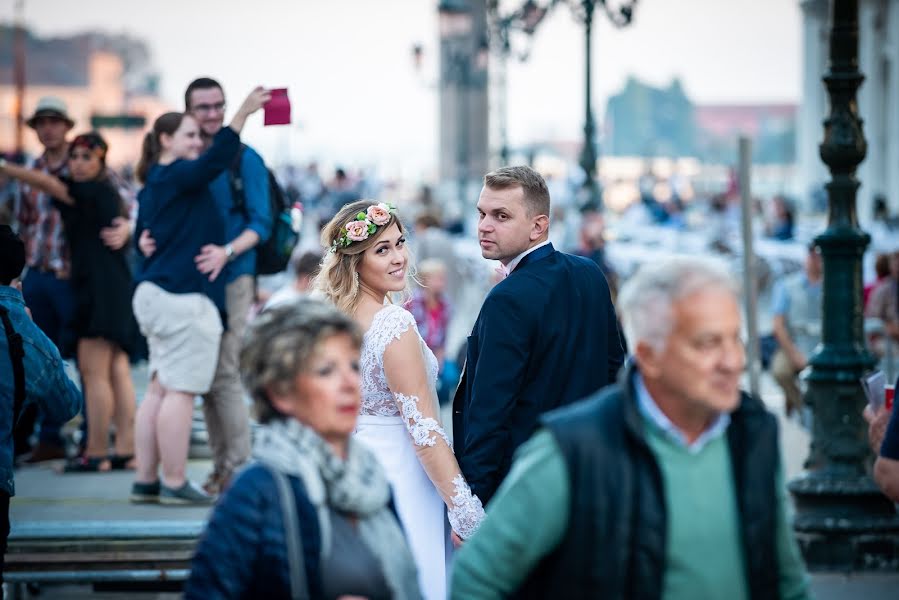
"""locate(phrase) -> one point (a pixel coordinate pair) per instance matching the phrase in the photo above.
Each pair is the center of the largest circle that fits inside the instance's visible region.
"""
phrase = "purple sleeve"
(890, 446)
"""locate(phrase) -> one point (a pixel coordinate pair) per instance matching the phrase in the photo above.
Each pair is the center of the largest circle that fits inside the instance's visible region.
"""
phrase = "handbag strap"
(299, 589)
(17, 357)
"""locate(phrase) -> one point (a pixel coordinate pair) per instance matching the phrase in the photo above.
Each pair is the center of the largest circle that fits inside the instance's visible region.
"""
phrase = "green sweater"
(527, 519)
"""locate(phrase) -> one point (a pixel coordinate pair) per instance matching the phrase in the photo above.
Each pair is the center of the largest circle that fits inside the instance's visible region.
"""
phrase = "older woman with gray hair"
(336, 534)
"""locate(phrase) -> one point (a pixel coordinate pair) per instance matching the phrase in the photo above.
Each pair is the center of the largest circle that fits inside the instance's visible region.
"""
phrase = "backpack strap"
(299, 588)
(235, 179)
(17, 357)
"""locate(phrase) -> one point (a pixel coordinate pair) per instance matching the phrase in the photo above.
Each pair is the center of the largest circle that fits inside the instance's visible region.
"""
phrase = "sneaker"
(185, 495)
(144, 493)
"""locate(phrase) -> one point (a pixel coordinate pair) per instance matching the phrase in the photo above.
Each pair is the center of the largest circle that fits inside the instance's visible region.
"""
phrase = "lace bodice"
(389, 324)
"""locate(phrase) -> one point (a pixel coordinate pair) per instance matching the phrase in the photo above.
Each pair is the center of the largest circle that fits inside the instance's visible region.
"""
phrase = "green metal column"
(592, 199)
(843, 522)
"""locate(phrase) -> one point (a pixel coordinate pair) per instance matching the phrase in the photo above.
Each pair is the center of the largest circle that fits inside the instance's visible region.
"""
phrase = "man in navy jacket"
(547, 334)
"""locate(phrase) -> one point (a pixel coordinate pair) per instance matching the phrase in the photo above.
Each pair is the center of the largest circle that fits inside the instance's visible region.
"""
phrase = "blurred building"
(878, 99)
(105, 81)
(771, 127)
(647, 121)
(643, 120)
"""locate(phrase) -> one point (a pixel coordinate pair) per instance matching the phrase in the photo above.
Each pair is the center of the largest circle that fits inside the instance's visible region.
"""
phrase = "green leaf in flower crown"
(361, 216)
(371, 228)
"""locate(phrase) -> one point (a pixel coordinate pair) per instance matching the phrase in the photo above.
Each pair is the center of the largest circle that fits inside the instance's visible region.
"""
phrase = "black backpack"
(273, 254)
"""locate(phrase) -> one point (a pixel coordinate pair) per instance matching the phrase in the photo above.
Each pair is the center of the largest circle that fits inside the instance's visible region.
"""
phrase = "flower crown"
(365, 224)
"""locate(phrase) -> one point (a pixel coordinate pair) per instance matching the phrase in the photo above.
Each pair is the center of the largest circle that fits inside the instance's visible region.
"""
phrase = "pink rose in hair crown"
(379, 214)
(357, 230)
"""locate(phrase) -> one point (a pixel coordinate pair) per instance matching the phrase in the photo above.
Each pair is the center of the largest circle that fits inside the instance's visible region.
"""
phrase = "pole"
(463, 65)
(19, 76)
(750, 289)
(842, 522)
(503, 107)
(588, 154)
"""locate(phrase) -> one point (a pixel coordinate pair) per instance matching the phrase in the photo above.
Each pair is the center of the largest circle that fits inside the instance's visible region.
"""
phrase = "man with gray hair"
(666, 485)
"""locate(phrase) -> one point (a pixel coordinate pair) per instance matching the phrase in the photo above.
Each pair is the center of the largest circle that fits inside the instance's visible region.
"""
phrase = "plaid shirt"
(40, 224)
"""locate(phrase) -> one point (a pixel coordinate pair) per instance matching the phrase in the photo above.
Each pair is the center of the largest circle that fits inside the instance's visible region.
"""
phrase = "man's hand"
(116, 235)
(146, 243)
(211, 260)
(877, 426)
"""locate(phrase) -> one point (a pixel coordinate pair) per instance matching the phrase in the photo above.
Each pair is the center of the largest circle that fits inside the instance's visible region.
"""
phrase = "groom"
(547, 335)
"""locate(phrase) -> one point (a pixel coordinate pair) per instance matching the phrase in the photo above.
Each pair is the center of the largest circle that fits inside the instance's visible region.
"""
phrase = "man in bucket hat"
(53, 108)
(46, 286)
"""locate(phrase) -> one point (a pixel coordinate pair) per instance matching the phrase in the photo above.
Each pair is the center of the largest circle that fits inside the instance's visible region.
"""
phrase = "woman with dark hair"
(300, 364)
(180, 310)
(104, 323)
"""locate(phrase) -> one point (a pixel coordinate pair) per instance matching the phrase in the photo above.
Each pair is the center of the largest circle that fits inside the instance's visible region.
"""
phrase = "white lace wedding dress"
(402, 427)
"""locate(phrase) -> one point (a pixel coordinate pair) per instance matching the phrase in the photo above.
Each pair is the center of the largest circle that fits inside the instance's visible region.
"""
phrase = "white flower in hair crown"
(364, 225)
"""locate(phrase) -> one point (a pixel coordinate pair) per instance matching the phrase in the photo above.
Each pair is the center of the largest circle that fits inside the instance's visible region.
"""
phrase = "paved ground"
(45, 495)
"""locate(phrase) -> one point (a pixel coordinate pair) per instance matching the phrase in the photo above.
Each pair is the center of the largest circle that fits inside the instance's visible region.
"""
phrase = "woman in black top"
(104, 323)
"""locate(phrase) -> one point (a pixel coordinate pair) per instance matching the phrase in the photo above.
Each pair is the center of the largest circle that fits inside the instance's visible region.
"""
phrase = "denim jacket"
(45, 380)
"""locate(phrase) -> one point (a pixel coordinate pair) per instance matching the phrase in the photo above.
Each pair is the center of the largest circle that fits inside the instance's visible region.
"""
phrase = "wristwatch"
(229, 252)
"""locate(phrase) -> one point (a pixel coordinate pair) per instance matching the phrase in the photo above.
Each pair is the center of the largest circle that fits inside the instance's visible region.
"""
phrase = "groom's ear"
(539, 227)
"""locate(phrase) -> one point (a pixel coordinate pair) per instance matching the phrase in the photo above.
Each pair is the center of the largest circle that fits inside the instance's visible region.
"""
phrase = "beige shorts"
(183, 333)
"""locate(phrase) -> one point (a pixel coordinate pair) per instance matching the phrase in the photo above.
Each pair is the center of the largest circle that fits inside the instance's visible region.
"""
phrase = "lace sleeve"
(408, 378)
(466, 511)
(425, 431)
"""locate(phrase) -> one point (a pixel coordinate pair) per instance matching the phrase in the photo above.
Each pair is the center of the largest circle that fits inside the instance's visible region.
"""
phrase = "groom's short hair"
(536, 194)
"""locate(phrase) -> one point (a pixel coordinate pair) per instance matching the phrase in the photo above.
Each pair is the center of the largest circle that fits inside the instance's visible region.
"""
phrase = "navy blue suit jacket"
(546, 336)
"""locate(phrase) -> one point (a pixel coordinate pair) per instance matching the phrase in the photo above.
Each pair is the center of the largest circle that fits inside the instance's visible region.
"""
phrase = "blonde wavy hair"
(337, 280)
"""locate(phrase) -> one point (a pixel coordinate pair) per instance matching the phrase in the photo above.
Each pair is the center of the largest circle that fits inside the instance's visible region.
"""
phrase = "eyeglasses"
(208, 108)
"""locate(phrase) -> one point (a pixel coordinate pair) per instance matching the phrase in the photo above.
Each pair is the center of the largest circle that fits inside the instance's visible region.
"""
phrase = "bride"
(366, 262)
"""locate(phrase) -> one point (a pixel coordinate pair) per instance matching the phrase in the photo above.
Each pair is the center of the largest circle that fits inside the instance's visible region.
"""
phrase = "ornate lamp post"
(843, 522)
(527, 18)
(583, 10)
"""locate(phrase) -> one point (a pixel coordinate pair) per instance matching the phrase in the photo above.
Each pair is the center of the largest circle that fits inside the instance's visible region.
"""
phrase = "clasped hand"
(210, 261)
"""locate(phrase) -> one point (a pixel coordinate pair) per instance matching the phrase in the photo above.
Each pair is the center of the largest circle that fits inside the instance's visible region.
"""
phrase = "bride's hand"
(457, 541)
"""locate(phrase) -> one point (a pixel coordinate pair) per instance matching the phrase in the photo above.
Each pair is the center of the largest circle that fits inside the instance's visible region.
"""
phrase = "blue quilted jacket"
(243, 552)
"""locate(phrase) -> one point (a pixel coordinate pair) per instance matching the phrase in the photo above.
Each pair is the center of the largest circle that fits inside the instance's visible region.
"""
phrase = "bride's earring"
(355, 282)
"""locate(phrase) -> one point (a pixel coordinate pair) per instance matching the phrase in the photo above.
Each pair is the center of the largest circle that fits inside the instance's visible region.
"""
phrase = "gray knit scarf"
(356, 485)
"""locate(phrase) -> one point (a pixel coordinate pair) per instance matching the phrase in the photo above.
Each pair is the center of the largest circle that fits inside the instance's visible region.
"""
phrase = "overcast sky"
(356, 95)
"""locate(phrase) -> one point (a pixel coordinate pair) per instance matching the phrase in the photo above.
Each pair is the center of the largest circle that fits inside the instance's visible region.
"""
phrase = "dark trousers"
(52, 304)
(4, 529)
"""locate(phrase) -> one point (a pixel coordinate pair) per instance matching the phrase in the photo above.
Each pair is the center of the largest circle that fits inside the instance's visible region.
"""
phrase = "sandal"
(119, 462)
(85, 464)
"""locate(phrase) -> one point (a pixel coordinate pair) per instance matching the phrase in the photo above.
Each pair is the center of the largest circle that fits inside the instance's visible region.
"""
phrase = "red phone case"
(277, 109)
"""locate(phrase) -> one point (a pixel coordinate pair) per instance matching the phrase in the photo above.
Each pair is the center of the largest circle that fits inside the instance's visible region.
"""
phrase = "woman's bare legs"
(123, 395)
(94, 362)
